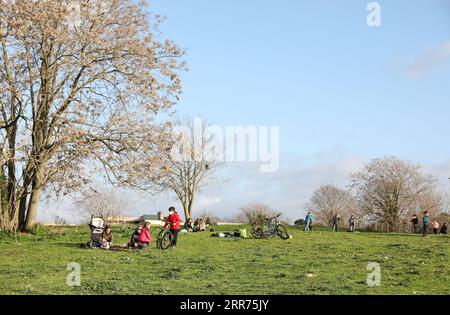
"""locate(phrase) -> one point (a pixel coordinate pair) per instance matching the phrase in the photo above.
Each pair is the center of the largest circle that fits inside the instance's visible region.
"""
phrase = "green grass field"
(318, 263)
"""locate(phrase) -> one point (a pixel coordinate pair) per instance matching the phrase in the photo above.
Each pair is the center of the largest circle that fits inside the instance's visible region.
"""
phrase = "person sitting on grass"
(197, 225)
(145, 238)
(202, 226)
(188, 225)
(107, 238)
(443, 229)
(134, 242)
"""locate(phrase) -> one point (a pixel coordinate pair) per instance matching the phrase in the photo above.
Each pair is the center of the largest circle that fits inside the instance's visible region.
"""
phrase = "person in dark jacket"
(415, 224)
(188, 225)
(443, 229)
(351, 223)
(134, 242)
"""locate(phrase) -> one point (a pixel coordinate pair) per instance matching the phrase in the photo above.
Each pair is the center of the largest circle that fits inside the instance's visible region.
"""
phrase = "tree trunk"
(23, 210)
(191, 205)
(3, 196)
(34, 202)
(187, 213)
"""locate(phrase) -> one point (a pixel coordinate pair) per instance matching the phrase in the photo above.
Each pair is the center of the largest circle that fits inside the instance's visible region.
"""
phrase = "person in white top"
(435, 227)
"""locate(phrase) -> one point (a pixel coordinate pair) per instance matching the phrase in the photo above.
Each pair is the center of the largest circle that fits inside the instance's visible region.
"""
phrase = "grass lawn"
(318, 263)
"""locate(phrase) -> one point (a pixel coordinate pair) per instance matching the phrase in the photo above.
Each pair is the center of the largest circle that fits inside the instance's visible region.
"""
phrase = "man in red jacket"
(174, 221)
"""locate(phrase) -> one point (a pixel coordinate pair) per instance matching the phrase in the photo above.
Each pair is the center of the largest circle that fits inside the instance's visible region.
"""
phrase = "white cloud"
(429, 61)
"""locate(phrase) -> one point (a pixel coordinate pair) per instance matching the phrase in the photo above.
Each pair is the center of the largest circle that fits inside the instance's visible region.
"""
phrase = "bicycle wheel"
(282, 232)
(270, 234)
(165, 240)
(256, 233)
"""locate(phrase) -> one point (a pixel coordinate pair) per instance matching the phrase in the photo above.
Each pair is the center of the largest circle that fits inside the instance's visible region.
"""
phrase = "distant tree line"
(386, 190)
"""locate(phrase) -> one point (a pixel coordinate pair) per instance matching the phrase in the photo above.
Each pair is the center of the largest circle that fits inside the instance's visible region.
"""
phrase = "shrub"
(256, 213)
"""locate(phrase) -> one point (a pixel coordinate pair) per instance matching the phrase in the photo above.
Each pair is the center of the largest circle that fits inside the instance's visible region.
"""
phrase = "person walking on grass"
(336, 220)
(308, 222)
(426, 223)
(415, 223)
(351, 223)
(174, 222)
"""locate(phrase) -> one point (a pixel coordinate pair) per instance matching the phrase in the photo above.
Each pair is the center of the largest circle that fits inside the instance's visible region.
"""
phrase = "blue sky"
(341, 92)
(317, 70)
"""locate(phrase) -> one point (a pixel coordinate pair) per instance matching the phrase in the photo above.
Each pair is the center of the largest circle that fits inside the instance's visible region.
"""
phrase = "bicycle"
(164, 239)
(271, 228)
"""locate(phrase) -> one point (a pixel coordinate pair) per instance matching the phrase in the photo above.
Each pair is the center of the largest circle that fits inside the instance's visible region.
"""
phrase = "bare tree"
(106, 203)
(256, 213)
(79, 93)
(191, 165)
(436, 203)
(389, 188)
(239, 217)
(432, 201)
(329, 201)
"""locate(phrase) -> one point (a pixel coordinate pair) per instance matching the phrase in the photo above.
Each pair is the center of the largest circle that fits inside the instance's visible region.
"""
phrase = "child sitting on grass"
(145, 238)
(134, 242)
(107, 238)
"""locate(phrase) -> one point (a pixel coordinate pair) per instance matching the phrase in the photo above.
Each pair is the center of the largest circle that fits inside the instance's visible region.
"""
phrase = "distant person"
(197, 225)
(351, 223)
(336, 220)
(107, 238)
(308, 222)
(436, 227)
(208, 221)
(145, 238)
(134, 241)
(174, 223)
(202, 226)
(188, 225)
(415, 224)
(426, 223)
(443, 229)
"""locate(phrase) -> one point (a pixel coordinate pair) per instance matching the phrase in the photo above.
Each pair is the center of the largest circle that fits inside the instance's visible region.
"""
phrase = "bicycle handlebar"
(275, 217)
